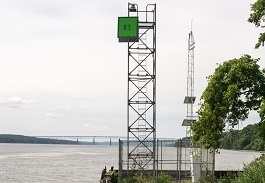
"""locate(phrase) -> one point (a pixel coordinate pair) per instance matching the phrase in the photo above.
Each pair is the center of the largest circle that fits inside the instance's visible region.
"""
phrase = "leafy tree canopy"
(262, 122)
(236, 87)
(246, 139)
(256, 17)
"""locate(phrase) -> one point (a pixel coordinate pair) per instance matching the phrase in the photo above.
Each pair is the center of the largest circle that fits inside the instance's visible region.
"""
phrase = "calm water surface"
(54, 163)
(234, 160)
(69, 163)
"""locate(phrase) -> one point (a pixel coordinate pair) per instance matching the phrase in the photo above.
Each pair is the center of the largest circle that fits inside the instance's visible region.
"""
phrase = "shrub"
(164, 178)
(140, 178)
(254, 172)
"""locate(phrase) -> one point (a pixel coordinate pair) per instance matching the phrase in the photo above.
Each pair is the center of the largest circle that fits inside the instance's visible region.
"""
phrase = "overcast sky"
(63, 71)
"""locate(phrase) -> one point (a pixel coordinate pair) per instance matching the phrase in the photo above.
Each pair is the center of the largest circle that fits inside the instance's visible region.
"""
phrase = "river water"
(37, 163)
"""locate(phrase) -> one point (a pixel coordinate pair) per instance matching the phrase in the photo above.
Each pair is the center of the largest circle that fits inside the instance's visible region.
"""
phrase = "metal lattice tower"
(141, 111)
(189, 101)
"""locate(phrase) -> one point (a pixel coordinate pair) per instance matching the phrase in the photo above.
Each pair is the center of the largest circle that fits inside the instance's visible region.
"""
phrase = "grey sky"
(63, 71)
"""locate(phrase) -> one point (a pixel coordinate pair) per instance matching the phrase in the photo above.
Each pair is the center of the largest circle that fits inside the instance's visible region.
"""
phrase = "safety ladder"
(142, 93)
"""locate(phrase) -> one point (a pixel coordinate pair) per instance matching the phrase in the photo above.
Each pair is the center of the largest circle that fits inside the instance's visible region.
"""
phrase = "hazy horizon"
(63, 71)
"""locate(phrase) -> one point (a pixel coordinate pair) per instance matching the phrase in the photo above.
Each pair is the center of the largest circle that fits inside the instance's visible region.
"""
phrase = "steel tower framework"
(141, 110)
(189, 101)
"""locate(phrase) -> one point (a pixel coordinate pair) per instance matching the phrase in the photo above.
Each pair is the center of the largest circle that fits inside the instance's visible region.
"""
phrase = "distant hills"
(10, 138)
(246, 139)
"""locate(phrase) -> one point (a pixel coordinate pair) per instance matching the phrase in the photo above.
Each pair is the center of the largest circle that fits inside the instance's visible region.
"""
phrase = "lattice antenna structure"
(189, 101)
(190, 98)
(141, 110)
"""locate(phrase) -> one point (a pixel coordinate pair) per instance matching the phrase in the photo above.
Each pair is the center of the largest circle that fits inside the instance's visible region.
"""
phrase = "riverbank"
(10, 138)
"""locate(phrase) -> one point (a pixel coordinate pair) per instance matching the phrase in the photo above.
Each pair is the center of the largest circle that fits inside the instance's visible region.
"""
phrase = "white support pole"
(195, 168)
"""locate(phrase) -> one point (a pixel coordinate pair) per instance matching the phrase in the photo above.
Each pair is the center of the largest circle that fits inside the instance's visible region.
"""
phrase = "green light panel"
(127, 27)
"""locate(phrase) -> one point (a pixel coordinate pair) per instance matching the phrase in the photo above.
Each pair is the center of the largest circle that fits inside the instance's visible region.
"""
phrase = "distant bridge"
(77, 138)
(93, 138)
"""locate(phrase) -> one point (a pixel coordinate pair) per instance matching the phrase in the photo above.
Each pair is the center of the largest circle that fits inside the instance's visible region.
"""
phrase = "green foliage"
(236, 87)
(114, 177)
(141, 178)
(246, 139)
(262, 123)
(258, 13)
(206, 179)
(138, 178)
(254, 172)
(164, 178)
(229, 178)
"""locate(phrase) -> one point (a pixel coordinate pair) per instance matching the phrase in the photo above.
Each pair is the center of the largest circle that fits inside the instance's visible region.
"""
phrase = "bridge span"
(77, 138)
(94, 138)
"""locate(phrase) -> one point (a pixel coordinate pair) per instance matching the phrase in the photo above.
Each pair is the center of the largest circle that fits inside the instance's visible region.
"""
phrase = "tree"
(246, 139)
(236, 87)
(262, 122)
(256, 17)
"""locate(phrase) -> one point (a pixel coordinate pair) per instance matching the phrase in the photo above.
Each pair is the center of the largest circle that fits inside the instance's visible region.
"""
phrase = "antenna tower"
(189, 101)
